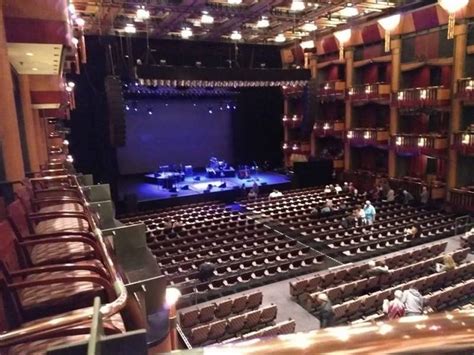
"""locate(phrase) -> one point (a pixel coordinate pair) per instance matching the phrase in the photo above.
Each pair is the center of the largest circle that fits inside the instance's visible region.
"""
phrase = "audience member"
(448, 264)
(424, 196)
(332, 189)
(315, 212)
(413, 232)
(369, 212)
(275, 194)
(253, 193)
(325, 311)
(395, 308)
(338, 188)
(390, 197)
(345, 187)
(327, 207)
(413, 301)
(360, 215)
(376, 270)
(407, 197)
(327, 190)
(348, 222)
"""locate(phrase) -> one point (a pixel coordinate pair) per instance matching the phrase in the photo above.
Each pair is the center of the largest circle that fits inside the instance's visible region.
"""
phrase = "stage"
(149, 194)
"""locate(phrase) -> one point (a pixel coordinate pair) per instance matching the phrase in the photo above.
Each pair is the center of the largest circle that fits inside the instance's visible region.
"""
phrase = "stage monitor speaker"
(313, 173)
(115, 111)
(223, 185)
(185, 187)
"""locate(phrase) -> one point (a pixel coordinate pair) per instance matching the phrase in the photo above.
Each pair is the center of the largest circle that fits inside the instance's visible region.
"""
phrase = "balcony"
(338, 164)
(463, 142)
(332, 90)
(419, 143)
(293, 91)
(436, 188)
(292, 122)
(296, 148)
(329, 129)
(466, 89)
(435, 96)
(462, 198)
(378, 92)
(362, 137)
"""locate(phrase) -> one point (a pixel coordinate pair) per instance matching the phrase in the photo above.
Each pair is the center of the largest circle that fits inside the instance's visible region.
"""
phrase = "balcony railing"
(436, 189)
(419, 143)
(296, 148)
(293, 90)
(324, 129)
(422, 97)
(292, 121)
(466, 89)
(332, 89)
(367, 136)
(463, 142)
(462, 198)
(369, 92)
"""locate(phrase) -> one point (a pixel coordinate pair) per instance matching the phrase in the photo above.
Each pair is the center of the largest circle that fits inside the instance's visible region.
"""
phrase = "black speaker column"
(115, 111)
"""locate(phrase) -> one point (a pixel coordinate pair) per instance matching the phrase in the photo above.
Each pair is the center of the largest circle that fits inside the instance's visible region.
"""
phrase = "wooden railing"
(436, 189)
(422, 97)
(332, 89)
(464, 142)
(364, 180)
(292, 121)
(293, 90)
(419, 142)
(466, 89)
(367, 136)
(374, 92)
(334, 128)
(296, 147)
(462, 198)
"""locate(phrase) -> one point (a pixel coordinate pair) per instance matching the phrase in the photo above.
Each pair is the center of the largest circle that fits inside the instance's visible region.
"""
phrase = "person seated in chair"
(413, 232)
(448, 264)
(395, 308)
(275, 194)
(407, 197)
(413, 301)
(424, 196)
(314, 212)
(376, 270)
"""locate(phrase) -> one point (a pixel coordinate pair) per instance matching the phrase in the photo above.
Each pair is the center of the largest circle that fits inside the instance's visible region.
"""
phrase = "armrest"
(55, 215)
(91, 243)
(57, 200)
(67, 279)
(59, 267)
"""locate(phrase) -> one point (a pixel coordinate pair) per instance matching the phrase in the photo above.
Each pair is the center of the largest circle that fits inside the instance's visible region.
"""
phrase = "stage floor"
(146, 191)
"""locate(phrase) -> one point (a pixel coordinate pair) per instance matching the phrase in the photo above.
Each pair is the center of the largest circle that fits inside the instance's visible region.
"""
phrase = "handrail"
(80, 316)
(415, 334)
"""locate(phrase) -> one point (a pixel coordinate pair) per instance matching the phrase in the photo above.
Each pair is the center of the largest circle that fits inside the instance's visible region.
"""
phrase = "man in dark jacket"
(325, 311)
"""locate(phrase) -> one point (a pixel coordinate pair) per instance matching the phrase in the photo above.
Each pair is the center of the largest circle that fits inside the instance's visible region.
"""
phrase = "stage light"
(127, 108)
(221, 108)
(150, 111)
(228, 106)
(234, 107)
(297, 5)
(263, 22)
(166, 104)
(210, 110)
(206, 18)
(186, 33)
(280, 38)
(130, 28)
(236, 36)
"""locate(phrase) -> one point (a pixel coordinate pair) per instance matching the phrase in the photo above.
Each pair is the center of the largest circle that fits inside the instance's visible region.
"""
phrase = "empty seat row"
(220, 309)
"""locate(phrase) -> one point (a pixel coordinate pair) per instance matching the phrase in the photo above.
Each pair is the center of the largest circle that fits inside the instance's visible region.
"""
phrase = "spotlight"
(127, 108)
(166, 104)
(210, 111)
(228, 106)
(150, 111)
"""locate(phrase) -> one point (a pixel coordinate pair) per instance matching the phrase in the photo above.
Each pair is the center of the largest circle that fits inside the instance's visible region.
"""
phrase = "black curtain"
(258, 130)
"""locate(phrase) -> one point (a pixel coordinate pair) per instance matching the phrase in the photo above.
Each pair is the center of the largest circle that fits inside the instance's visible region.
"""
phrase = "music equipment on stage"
(185, 187)
(219, 168)
(223, 185)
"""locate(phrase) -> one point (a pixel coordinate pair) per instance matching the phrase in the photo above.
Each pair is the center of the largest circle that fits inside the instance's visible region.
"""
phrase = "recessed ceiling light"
(280, 38)
(29, 54)
(236, 36)
(34, 69)
(263, 22)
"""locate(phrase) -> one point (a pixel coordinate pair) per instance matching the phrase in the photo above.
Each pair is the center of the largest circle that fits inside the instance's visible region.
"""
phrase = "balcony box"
(361, 137)
(466, 89)
(419, 144)
(326, 129)
(463, 142)
(332, 90)
(434, 96)
(292, 121)
(378, 92)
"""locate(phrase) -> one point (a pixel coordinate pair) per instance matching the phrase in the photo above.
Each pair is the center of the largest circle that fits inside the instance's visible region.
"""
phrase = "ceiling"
(168, 18)
(35, 59)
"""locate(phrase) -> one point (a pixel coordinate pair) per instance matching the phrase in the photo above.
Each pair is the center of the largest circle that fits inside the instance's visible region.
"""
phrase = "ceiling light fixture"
(186, 33)
(206, 18)
(263, 22)
(29, 54)
(349, 11)
(34, 69)
(142, 14)
(451, 7)
(309, 27)
(307, 44)
(234, 2)
(280, 38)
(297, 5)
(130, 28)
(389, 24)
(236, 36)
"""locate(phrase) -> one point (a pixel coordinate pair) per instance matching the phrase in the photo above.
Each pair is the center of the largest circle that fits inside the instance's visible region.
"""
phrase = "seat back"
(17, 216)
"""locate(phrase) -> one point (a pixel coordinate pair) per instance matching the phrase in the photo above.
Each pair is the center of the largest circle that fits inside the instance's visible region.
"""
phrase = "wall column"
(349, 55)
(396, 46)
(313, 66)
(459, 59)
(40, 137)
(29, 122)
(9, 131)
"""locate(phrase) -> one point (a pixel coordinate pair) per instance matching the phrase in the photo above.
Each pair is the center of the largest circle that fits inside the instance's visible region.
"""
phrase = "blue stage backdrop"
(162, 132)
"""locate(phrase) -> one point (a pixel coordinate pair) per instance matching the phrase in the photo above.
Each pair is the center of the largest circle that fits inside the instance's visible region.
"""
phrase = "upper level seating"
(47, 272)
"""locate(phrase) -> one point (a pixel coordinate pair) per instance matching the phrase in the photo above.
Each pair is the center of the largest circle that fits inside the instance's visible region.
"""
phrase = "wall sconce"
(294, 118)
(326, 126)
(285, 146)
(451, 7)
(342, 37)
(398, 141)
(351, 91)
(421, 142)
(401, 96)
(466, 139)
(350, 134)
(295, 147)
(423, 94)
(366, 135)
(389, 24)
(285, 118)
